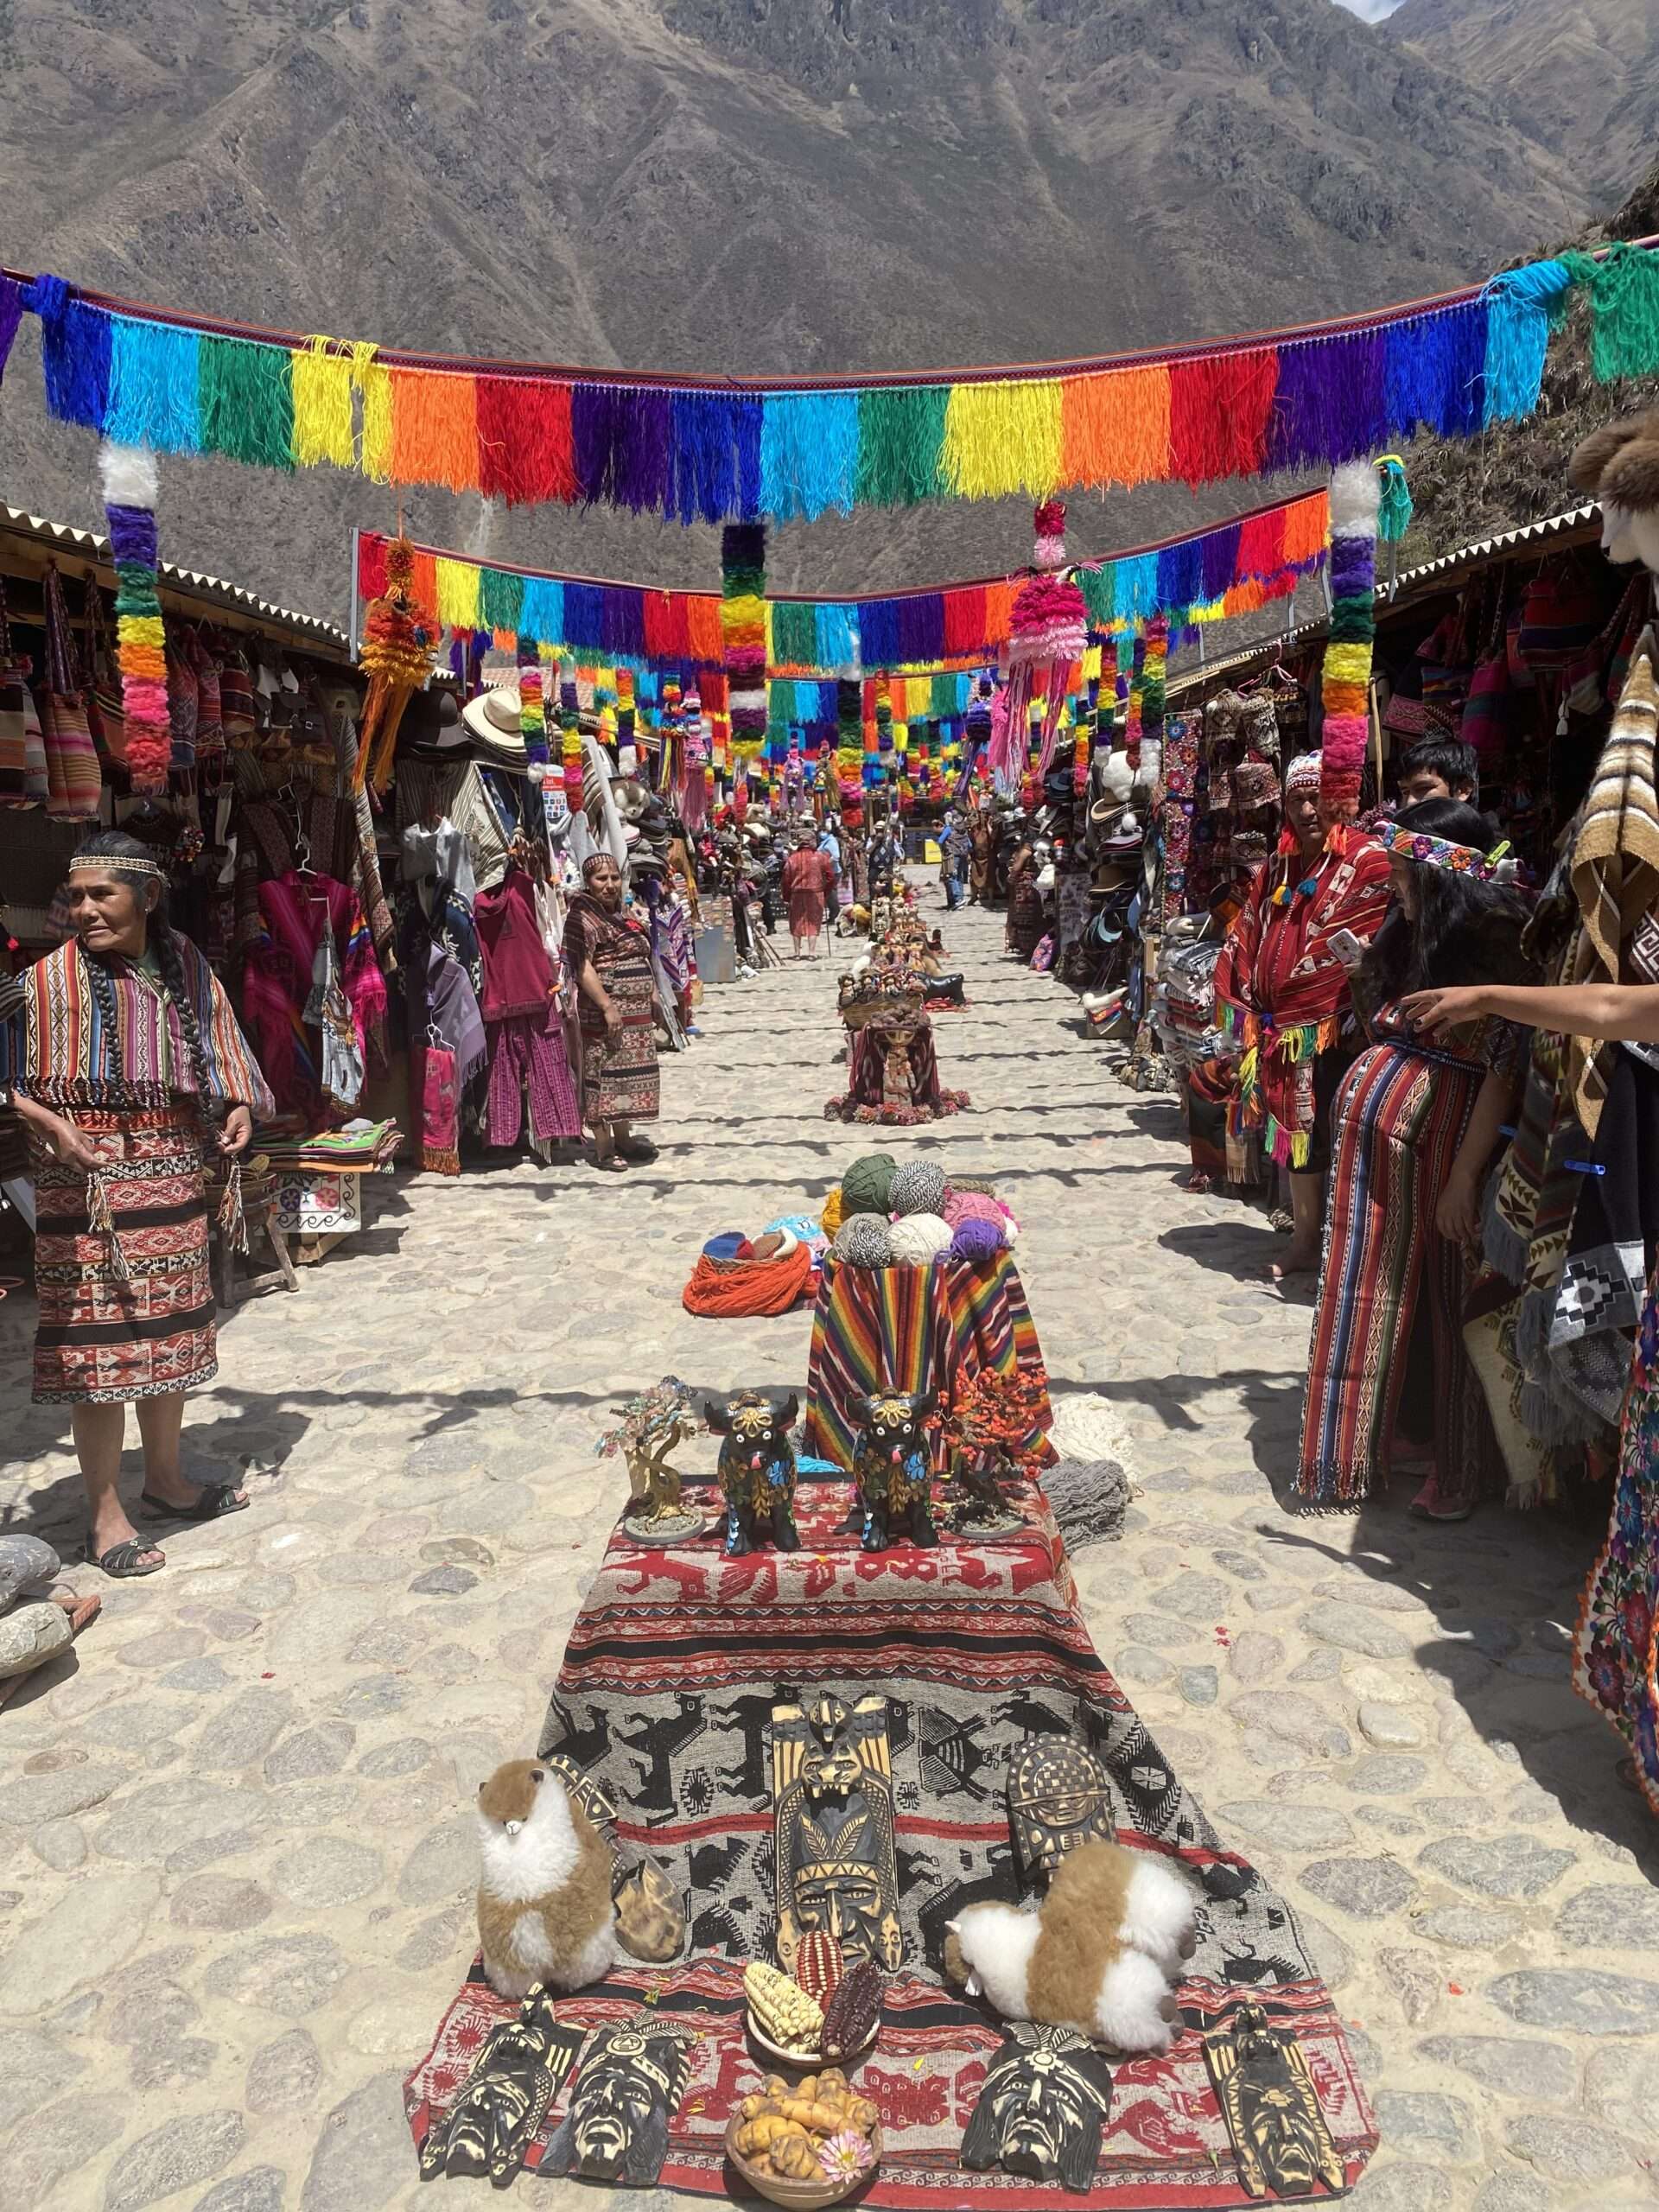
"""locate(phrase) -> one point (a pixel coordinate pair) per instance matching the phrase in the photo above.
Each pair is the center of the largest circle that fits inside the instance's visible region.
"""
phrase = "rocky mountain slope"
(1580, 75)
(731, 184)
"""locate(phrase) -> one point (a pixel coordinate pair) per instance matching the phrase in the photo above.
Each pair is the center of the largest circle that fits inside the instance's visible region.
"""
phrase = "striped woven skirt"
(105, 1336)
(619, 1081)
(1398, 1120)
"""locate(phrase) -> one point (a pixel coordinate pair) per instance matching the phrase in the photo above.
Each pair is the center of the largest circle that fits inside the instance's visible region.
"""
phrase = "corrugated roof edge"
(61, 533)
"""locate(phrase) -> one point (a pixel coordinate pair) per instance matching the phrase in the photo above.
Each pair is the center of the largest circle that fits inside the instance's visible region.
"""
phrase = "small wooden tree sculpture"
(653, 1425)
(994, 1437)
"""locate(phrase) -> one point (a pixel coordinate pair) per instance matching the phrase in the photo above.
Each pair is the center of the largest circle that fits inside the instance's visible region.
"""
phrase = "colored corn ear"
(818, 1964)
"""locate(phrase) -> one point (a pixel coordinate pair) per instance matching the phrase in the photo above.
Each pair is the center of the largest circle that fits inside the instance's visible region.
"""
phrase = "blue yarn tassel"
(1435, 372)
(1136, 588)
(809, 454)
(154, 370)
(542, 615)
(1523, 305)
(837, 631)
(74, 353)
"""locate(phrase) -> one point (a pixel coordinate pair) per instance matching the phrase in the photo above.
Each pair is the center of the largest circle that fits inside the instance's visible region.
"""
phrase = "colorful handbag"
(15, 710)
(75, 781)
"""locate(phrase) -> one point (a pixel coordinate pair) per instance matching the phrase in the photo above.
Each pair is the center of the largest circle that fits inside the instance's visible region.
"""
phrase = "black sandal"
(640, 1150)
(121, 1561)
(214, 1505)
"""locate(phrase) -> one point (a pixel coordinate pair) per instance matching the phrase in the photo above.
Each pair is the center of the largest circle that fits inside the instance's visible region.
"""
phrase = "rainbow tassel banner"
(724, 449)
(1356, 496)
(130, 485)
(743, 628)
(1231, 568)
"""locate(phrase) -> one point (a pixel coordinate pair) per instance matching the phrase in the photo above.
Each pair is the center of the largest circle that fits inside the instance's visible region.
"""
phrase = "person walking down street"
(608, 955)
(829, 846)
(809, 885)
(955, 854)
(129, 1073)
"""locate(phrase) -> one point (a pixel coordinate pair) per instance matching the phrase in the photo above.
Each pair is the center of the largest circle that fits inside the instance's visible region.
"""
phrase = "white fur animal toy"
(1103, 1955)
(545, 1911)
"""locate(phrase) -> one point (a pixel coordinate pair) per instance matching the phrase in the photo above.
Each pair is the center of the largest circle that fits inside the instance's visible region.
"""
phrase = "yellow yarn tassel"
(457, 594)
(323, 428)
(375, 383)
(1003, 437)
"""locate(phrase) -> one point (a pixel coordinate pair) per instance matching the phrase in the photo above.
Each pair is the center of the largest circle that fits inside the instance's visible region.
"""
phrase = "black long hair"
(114, 846)
(1465, 931)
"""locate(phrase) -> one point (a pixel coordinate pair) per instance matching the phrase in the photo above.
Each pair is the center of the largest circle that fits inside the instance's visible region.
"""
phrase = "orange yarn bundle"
(731, 1290)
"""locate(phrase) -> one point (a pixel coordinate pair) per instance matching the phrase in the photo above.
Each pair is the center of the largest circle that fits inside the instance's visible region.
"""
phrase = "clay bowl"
(803, 2061)
(795, 2195)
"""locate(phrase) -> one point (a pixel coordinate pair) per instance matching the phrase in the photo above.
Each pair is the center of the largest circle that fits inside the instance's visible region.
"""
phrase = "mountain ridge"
(841, 185)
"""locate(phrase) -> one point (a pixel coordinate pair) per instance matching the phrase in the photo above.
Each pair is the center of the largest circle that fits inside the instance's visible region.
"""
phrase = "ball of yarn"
(972, 1206)
(975, 1241)
(918, 1237)
(866, 1187)
(972, 1182)
(831, 1218)
(918, 1187)
(864, 1240)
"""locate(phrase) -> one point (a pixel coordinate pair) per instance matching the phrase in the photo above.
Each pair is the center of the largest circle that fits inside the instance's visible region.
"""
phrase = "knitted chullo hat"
(866, 1187)
(918, 1187)
(864, 1241)
(918, 1237)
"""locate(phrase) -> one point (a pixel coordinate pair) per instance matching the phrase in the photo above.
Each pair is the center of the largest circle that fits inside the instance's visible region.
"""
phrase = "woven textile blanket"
(909, 1329)
(665, 1697)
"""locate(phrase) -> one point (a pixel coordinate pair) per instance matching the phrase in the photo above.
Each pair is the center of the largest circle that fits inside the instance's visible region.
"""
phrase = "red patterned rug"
(664, 1698)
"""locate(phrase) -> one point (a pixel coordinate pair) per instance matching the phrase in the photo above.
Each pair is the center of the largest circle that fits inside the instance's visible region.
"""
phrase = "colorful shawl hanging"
(1281, 992)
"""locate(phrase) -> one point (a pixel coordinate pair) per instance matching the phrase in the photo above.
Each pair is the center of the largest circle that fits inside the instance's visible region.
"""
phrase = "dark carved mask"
(1058, 1796)
(616, 2128)
(1042, 2111)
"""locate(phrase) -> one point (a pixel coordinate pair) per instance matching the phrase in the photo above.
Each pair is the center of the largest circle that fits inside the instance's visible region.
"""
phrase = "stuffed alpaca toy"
(1619, 466)
(1104, 1954)
(545, 1911)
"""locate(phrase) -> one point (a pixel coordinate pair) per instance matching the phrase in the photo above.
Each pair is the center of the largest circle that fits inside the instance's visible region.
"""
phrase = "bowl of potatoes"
(807, 2146)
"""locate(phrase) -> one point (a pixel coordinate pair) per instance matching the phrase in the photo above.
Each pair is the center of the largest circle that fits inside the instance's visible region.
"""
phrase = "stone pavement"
(236, 1857)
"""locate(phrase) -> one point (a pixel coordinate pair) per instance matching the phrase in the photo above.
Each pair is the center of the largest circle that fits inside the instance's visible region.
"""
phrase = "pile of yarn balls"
(883, 1214)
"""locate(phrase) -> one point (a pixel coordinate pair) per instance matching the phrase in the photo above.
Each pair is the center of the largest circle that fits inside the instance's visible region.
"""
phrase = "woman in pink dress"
(808, 878)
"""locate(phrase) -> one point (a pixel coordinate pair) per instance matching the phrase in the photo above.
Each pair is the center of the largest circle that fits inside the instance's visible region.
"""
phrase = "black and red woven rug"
(665, 1697)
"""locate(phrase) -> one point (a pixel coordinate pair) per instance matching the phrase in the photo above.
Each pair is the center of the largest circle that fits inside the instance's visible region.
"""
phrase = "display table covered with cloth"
(672, 1698)
(910, 1328)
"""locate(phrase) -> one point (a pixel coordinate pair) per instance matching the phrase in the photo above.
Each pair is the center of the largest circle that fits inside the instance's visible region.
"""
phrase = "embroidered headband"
(1496, 866)
(1303, 773)
(113, 864)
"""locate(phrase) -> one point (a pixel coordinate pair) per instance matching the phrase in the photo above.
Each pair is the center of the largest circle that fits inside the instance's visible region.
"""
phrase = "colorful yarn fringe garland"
(1233, 568)
(743, 631)
(1356, 497)
(725, 450)
(130, 485)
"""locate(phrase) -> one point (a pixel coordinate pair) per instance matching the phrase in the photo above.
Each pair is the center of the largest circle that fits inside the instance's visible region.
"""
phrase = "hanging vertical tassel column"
(130, 486)
(743, 633)
(1356, 495)
(1152, 699)
(570, 735)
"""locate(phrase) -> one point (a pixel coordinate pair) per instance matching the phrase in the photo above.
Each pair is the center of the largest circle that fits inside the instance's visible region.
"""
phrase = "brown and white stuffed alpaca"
(544, 1910)
(1619, 466)
(1104, 1954)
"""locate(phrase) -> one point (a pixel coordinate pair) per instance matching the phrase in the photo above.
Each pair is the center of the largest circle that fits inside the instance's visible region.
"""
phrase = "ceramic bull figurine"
(757, 1469)
(893, 1469)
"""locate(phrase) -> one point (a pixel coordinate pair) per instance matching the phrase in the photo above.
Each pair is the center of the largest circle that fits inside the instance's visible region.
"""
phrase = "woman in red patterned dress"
(129, 1071)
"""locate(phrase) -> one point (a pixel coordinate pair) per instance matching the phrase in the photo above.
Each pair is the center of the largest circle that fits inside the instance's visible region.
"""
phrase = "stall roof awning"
(1411, 584)
(186, 584)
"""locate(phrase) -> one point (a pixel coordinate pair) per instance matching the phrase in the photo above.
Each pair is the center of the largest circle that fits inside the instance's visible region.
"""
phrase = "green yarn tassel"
(901, 439)
(500, 598)
(1394, 509)
(794, 635)
(246, 400)
(1099, 587)
(1624, 290)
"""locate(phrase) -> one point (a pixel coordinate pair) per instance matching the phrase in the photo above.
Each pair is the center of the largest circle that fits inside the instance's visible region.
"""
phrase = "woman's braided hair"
(113, 846)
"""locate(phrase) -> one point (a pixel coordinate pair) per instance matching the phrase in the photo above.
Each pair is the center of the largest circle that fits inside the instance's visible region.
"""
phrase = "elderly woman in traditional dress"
(808, 879)
(129, 1072)
(608, 956)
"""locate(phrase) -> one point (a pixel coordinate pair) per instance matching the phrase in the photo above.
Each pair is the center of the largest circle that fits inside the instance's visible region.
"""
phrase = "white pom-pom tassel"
(128, 473)
(1356, 496)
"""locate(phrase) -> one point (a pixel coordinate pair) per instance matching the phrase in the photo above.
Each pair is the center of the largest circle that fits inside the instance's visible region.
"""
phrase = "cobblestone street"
(236, 1854)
